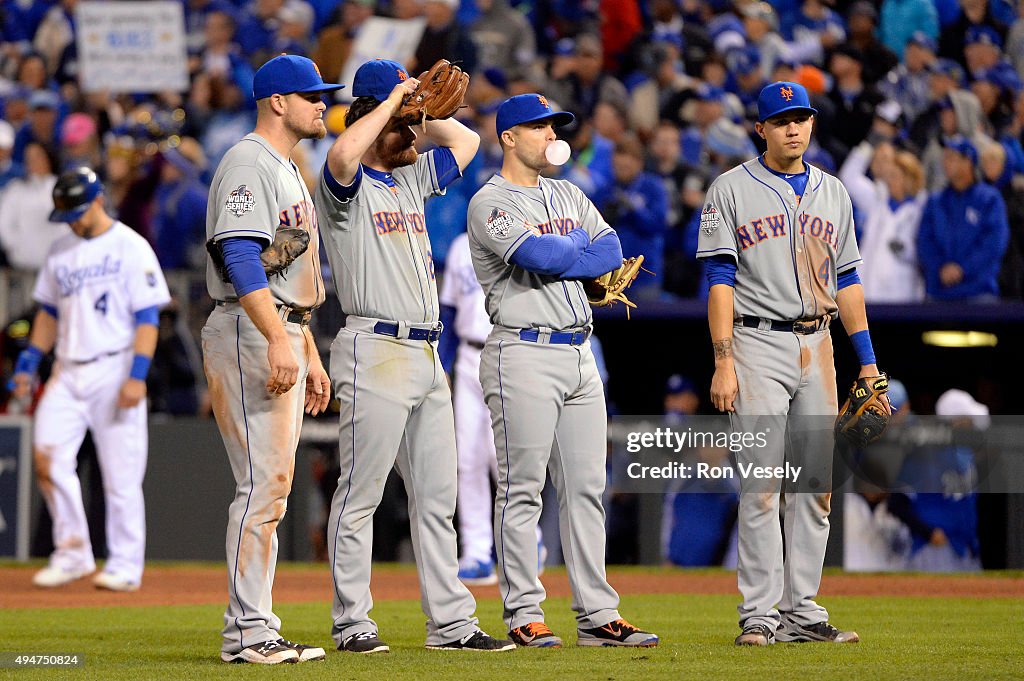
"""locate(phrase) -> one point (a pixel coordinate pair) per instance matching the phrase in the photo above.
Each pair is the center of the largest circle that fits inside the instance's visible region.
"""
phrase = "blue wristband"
(862, 346)
(140, 367)
(28, 360)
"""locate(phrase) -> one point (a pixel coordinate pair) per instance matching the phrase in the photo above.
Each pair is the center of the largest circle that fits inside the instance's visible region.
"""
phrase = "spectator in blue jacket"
(637, 207)
(179, 220)
(964, 231)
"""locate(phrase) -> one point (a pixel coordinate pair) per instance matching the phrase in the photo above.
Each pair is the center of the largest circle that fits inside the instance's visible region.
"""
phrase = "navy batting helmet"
(74, 193)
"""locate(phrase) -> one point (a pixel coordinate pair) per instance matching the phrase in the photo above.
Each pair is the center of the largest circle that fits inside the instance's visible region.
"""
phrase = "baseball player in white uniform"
(533, 240)
(396, 409)
(100, 293)
(261, 361)
(777, 236)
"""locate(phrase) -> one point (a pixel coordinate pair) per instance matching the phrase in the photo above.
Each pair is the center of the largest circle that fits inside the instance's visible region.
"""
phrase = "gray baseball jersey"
(501, 216)
(546, 400)
(254, 192)
(788, 249)
(396, 407)
(378, 244)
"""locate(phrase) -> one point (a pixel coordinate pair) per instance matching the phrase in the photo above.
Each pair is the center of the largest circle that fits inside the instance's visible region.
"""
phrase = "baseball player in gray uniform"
(261, 362)
(396, 408)
(532, 240)
(777, 236)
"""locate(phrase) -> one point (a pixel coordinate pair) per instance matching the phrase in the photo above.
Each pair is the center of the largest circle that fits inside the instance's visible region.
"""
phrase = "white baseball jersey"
(787, 249)
(461, 290)
(97, 285)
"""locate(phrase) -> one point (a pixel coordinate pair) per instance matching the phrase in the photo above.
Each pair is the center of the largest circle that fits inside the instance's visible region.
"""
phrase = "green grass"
(903, 638)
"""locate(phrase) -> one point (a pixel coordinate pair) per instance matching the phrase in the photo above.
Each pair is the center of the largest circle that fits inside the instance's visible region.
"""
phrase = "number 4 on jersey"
(824, 272)
(101, 303)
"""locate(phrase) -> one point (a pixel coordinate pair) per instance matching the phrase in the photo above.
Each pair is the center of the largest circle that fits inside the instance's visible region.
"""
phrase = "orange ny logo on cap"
(543, 101)
(401, 75)
(317, 69)
(786, 92)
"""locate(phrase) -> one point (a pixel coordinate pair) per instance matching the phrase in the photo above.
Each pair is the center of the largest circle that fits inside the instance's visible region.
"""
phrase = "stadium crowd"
(920, 103)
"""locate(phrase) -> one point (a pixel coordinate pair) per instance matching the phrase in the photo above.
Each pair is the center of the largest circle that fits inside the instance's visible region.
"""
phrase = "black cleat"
(365, 643)
(479, 641)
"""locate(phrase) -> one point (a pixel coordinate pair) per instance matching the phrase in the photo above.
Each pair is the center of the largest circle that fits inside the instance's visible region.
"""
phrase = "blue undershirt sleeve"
(604, 254)
(550, 253)
(148, 315)
(242, 261)
(720, 269)
(449, 341)
(847, 278)
(49, 309)
(340, 191)
(445, 166)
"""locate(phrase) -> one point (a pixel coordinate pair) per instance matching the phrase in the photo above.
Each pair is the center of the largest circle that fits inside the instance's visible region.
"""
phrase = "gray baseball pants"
(548, 412)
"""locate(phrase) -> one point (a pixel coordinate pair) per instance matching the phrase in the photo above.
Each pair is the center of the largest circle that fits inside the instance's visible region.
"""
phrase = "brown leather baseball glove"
(610, 288)
(864, 415)
(439, 95)
(289, 244)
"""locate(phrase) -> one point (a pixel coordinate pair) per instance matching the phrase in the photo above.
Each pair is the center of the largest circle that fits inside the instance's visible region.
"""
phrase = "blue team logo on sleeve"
(709, 219)
(240, 201)
(151, 279)
(499, 223)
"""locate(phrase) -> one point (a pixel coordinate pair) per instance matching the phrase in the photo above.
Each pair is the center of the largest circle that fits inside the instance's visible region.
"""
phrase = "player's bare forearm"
(133, 390)
(720, 312)
(43, 337)
(145, 339)
(724, 384)
(854, 316)
(851, 308)
(345, 154)
(284, 367)
(44, 331)
(451, 133)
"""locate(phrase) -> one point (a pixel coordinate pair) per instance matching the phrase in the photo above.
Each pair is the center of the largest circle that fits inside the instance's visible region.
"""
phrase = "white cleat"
(115, 582)
(53, 576)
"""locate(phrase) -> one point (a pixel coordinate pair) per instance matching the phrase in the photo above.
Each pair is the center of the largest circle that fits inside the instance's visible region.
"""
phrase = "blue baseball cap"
(948, 68)
(744, 60)
(922, 39)
(986, 35)
(1003, 76)
(526, 109)
(288, 73)
(897, 394)
(710, 93)
(377, 78)
(781, 97)
(44, 99)
(677, 384)
(962, 146)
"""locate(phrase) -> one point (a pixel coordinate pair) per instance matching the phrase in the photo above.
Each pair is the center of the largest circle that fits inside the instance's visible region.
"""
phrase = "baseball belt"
(803, 327)
(555, 337)
(113, 353)
(391, 329)
(287, 314)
